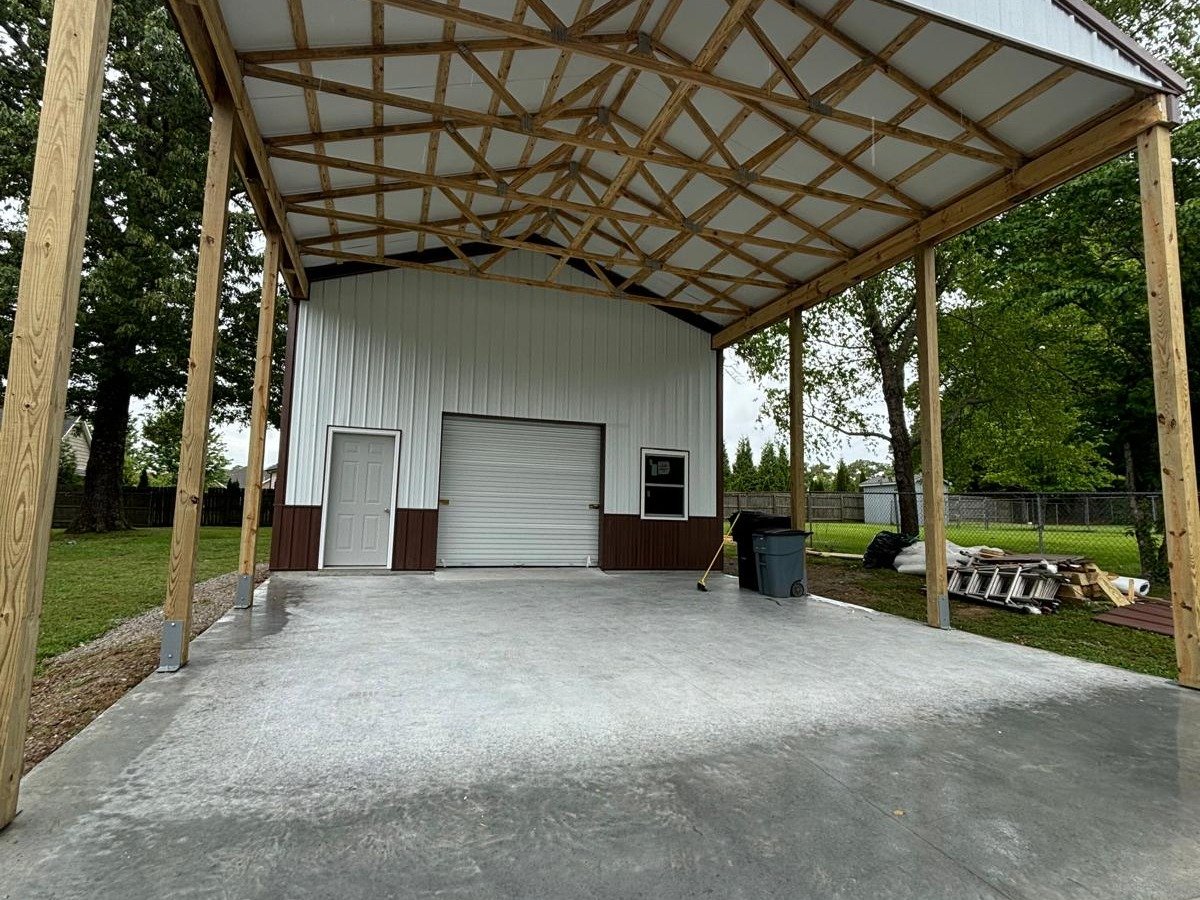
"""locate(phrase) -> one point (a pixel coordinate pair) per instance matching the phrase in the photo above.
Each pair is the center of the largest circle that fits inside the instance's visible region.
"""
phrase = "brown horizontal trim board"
(415, 546)
(296, 538)
(631, 542)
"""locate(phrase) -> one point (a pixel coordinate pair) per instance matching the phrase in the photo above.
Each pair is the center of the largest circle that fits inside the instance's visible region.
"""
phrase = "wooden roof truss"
(681, 208)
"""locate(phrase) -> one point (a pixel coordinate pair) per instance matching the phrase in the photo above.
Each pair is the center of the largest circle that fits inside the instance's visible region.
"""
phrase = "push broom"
(700, 585)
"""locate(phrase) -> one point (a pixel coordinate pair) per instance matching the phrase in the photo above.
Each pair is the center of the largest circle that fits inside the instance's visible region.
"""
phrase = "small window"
(664, 484)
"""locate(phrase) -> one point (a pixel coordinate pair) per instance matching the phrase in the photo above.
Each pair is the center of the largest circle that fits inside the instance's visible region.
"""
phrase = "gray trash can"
(779, 554)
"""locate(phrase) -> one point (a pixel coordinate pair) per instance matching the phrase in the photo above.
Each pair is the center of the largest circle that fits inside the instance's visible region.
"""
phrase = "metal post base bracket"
(245, 592)
(943, 602)
(171, 656)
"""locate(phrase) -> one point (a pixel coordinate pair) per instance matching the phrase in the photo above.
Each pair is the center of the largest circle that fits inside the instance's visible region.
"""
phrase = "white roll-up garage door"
(519, 493)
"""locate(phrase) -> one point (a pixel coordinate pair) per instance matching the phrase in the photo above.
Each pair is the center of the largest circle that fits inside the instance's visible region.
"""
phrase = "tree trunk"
(902, 447)
(101, 508)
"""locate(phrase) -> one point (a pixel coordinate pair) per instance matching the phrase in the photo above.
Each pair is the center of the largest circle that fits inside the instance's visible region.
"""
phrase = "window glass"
(664, 484)
(664, 469)
(664, 501)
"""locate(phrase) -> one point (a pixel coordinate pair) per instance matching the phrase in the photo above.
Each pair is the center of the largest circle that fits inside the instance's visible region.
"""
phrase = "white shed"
(881, 501)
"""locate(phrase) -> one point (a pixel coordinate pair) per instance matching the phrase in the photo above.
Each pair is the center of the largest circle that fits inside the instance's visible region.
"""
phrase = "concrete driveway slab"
(560, 734)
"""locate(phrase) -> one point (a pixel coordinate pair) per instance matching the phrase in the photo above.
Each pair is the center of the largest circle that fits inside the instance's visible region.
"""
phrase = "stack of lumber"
(1084, 580)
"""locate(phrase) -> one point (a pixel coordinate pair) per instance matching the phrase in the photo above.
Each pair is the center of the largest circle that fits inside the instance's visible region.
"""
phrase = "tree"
(819, 478)
(857, 344)
(743, 475)
(726, 473)
(842, 481)
(68, 467)
(767, 465)
(159, 447)
(133, 325)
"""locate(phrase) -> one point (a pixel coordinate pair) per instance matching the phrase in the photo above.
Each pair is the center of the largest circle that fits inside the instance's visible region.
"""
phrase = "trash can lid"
(786, 532)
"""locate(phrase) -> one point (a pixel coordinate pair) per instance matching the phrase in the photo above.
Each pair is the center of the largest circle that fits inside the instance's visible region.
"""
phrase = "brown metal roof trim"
(1097, 22)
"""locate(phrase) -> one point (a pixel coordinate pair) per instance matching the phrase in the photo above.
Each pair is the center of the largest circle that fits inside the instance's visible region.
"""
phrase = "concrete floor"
(535, 734)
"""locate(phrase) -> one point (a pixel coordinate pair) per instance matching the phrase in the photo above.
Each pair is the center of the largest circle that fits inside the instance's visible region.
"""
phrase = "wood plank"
(43, 331)
(189, 492)
(259, 403)
(937, 604)
(799, 497)
(694, 74)
(1085, 151)
(1181, 505)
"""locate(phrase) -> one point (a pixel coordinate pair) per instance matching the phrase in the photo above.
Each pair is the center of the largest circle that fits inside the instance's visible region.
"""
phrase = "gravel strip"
(75, 687)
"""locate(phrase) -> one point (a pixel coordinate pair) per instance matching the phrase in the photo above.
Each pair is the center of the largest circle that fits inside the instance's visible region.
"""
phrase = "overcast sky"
(743, 399)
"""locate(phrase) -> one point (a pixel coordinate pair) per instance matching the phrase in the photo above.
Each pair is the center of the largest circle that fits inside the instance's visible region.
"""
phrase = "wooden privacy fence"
(823, 506)
(154, 507)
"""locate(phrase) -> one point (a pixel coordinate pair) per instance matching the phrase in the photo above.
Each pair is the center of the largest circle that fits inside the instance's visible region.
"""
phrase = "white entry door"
(519, 493)
(358, 502)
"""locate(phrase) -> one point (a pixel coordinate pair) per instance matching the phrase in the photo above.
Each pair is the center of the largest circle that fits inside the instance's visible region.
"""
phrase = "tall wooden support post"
(252, 501)
(937, 602)
(796, 418)
(1181, 506)
(189, 492)
(43, 331)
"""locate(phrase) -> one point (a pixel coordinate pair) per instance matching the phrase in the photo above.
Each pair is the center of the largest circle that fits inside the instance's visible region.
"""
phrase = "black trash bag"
(884, 548)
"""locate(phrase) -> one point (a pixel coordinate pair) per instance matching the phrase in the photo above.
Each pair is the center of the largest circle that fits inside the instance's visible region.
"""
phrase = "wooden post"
(937, 602)
(189, 492)
(796, 410)
(252, 500)
(1169, 357)
(43, 331)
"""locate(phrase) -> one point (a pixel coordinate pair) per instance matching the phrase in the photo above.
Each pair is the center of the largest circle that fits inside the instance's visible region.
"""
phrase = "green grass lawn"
(1071, 631)
(1111, 547)
(94, 581)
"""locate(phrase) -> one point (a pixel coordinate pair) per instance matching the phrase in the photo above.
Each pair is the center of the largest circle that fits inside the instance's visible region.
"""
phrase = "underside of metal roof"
(712, 157)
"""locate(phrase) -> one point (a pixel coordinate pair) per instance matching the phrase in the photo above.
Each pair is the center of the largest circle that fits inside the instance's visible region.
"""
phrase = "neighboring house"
(238, 476)
(76, 435)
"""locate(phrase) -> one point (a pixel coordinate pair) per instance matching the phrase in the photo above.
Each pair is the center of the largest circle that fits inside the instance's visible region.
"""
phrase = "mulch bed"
(73, 688)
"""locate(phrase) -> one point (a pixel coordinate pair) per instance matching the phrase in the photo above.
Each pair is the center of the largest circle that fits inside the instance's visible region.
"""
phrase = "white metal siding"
(396, 349)
(519, 493)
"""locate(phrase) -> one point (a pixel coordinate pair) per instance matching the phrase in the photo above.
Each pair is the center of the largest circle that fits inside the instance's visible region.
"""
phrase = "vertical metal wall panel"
(396, 349)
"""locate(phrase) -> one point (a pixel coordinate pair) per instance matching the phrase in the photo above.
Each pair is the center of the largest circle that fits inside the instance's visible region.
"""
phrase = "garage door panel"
(519, 493)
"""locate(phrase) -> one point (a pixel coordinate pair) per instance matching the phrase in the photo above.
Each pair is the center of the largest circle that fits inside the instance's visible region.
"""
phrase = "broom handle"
(721, 549)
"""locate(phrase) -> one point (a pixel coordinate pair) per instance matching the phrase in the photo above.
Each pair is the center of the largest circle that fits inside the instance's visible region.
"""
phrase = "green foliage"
(743, 475)
(133, 326)
(1045, 339)
(95, 581)
(841, 479)
(68, 474)
(158, 449)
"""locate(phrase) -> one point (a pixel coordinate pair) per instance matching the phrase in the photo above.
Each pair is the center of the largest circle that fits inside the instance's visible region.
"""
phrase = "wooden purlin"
(902, 79)
(450, 233)
(692, 73)
(846, 84)
(211, 65)
(439, 96)
(472, 272)
(378, 39)
(603, 212)
(460, 117)
(312, 110)
(1111, 137)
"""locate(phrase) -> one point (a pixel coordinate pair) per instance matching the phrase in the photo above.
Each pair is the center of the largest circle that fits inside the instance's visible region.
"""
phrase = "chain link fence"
(1102, 527)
